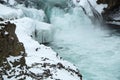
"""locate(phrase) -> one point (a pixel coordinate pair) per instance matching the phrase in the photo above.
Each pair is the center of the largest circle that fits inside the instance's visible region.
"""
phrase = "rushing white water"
(89, 47)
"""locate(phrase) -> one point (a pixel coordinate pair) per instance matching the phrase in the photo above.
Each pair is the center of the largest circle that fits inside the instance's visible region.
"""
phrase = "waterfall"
(97, 17)
(86, 45)
(81, 42)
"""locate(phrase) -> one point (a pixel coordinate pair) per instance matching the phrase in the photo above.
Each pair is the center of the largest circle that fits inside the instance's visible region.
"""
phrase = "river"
(90, 47)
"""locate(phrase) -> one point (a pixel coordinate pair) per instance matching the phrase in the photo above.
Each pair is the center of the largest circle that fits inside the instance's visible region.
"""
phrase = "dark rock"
(2, 1)
(10, 46)
(111, 12)
(112, 4)
(1, 19)
(20, 1)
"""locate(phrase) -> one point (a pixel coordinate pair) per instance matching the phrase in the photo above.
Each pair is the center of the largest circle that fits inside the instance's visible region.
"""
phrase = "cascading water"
(86, 45)
(92, 49)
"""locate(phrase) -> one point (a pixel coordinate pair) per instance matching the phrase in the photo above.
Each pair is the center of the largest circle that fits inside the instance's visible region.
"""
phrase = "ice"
(42, 32)
(6, 33)
(116, 23)
(11, 2)
(34, 13)
(52, 2)
(11, 13)
(7, 12)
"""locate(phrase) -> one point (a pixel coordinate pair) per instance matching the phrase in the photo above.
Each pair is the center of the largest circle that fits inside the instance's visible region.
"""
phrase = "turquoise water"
(88, 46)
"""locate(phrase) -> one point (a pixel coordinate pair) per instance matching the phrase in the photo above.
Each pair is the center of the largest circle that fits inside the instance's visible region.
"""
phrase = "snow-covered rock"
(12, 59)
(8, 13)
(42, 63)
(43, 60)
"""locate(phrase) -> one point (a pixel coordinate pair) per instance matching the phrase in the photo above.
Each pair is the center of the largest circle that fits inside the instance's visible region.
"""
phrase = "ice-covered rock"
(40, 31)
(33, 13)
(8, 13)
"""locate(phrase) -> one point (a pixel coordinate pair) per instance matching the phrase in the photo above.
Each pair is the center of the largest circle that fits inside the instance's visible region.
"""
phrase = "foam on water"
(87, 46)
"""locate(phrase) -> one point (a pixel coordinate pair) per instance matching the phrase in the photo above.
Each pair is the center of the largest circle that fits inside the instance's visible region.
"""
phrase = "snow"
(117, 18)
(13, 13)
(11, 2)
(84, 3)
(12, 58)
(6, 33)
(1, 27)
(7, 12)
(36, 52)
(31, 31)
(24, 32)
(113, 22)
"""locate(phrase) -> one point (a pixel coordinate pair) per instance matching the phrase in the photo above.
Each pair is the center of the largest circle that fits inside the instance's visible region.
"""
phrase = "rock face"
(112, 4)
(2, 1)
(111, 14)
(11, 52)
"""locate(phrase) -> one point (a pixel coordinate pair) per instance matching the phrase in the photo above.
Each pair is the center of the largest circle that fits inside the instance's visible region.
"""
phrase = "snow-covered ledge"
(40, 58)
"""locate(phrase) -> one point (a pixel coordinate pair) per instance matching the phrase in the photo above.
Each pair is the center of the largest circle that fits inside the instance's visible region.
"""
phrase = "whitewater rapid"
(88, 46)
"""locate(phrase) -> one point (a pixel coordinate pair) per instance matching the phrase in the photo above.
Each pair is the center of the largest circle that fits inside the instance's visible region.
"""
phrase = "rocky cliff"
(112, 4)
(12, 60)
(112, 13)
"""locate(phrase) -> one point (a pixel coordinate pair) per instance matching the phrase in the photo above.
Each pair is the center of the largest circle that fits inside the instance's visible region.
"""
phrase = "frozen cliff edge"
(41, 62)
